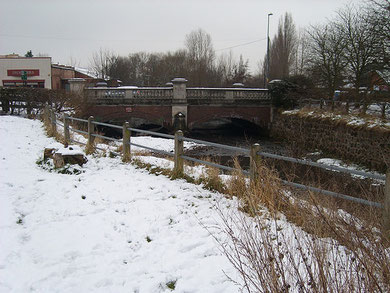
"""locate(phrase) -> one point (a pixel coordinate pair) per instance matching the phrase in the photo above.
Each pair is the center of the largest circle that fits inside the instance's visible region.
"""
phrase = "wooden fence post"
(53, 122)
(46, 118)
(364, 106)
(28, 108)
(347, 106)
(91, 138)
(66, 131)
(126, 142)
(255, 161)
(179, 164)
(383, 110)
(386, 213)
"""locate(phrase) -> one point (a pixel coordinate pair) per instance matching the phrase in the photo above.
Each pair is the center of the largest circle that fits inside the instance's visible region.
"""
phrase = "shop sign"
(20, 72)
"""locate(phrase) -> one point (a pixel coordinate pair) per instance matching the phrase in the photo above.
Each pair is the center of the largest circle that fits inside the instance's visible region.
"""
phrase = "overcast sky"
(72, 30)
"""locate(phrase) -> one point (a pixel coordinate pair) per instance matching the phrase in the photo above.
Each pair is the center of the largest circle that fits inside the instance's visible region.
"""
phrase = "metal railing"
(254, 154)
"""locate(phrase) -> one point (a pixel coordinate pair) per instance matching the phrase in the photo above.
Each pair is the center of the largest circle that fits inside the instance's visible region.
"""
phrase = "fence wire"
(241, 151)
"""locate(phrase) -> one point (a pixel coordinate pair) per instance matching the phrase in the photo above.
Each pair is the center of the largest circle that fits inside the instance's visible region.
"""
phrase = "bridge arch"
(258, 116)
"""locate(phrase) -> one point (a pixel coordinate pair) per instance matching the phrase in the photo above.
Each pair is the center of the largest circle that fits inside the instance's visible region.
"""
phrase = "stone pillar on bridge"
(179, 103)
(77, 85)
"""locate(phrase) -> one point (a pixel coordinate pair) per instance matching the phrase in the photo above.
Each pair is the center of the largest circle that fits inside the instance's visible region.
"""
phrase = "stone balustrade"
(176, 94)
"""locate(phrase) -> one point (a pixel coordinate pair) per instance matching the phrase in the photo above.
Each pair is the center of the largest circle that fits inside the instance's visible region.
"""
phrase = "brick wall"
(259, 115)
(160, 115)
(362, 145)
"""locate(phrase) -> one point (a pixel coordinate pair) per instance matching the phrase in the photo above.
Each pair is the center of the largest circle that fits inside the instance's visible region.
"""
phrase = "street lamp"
(267, 69)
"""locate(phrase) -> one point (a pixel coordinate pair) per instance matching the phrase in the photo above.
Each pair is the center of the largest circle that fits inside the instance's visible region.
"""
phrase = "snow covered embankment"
(113, 228)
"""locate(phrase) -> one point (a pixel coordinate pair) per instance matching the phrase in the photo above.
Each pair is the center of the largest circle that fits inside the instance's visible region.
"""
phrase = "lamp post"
(267, 69)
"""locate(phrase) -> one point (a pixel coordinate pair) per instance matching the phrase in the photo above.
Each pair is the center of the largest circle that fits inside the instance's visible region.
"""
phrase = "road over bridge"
(179, 107)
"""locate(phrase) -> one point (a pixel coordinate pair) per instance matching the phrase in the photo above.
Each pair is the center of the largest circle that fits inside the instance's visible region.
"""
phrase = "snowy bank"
(113, 228)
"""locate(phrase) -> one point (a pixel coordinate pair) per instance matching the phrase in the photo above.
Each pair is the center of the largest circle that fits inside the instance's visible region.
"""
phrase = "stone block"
(48, 153)
(61, 160)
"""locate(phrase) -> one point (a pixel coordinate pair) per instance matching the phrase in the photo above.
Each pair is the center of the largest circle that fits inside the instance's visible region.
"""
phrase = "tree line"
(197, 62)
(345, 50)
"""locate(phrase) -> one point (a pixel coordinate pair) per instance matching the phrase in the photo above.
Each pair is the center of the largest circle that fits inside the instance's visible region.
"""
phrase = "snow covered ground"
(113, 228)
(116, 228)
(349, 119)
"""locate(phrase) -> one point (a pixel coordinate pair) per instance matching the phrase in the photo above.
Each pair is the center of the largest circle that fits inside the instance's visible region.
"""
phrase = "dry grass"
(266, 190)
(339, 116)
(323, 250)
(90, 149)
(237, 185)
(211, 180)
(270, 257)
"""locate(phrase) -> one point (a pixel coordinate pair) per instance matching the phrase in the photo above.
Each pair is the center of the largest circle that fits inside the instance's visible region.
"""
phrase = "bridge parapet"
(168, 95)
(128, 95)
(228, 95)
(165, 93)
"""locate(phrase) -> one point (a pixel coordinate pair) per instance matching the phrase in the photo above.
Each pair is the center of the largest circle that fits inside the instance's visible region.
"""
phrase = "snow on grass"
(161, 144)
(340, 163)
(195, 172)
(116, 228)
(349, 119)
(113, 228)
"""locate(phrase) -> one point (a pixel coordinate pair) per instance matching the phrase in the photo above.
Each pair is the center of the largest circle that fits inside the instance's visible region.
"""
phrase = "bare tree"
(201, 55)
(301, 53)
(326, 55)
(146, 69)
(196, 63)
(225, 68)
(241, 72)
(378, 15)
(283, 48)
(120, 69)
(173, 64)
(361, 44)
(102, 61)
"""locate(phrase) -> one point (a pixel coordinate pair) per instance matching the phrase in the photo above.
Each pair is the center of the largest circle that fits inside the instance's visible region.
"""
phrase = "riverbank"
(361, 140)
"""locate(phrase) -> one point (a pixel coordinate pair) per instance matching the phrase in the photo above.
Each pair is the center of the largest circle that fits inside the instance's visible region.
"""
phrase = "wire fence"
(252, 153)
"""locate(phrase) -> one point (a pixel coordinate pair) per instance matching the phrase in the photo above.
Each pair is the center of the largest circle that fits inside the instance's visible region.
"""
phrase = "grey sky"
(74, 29)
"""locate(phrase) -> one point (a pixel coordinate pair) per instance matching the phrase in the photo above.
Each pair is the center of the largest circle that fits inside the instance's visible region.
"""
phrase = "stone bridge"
(179, 107)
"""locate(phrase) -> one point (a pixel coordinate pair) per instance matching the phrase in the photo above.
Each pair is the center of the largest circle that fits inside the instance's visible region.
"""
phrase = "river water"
(242, 140)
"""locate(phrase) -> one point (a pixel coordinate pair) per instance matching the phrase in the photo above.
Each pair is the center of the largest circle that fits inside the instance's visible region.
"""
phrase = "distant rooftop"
(87, 72)
(60, 66)
(17, 56)
(385, 74)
